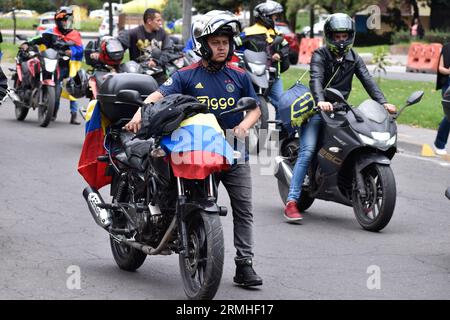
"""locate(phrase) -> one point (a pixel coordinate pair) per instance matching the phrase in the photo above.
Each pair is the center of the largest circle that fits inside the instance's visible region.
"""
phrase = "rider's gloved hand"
(325, 106)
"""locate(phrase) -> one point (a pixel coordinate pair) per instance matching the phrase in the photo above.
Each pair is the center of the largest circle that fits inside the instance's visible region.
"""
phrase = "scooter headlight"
(257, 69)
(50, 64)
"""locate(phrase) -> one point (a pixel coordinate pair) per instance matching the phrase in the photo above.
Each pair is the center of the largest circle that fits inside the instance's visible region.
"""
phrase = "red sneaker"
(291, 212)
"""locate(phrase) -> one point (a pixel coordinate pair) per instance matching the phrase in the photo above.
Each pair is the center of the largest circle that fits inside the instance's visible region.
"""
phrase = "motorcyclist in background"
(259, 37)
(64, 32)
(331, 66)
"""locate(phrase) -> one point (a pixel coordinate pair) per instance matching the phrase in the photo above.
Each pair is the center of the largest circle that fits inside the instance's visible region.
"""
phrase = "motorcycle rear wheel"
(202, 265)
(375, 210)
(46, 108)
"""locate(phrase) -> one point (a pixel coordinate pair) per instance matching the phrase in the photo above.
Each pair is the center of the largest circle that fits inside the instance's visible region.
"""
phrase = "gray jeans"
(238, 183)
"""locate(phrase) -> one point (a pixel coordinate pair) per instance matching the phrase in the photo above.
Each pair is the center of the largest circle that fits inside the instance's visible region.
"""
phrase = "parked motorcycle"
(351, 165)
(153, 212)
(34, 80)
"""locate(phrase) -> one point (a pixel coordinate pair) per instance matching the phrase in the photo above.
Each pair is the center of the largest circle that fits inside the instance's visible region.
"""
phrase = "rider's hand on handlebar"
(95, 55)
(151, 63)
(68, 52)
(325, 106)
(390, 108)
(276, 57)
(240, 132)
(135, 123)
(24, 46)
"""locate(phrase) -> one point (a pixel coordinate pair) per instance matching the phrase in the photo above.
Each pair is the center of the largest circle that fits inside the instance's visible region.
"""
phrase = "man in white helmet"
(220, 85)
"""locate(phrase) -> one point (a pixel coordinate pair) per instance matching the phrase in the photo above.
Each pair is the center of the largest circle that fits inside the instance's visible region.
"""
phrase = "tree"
(173, 10)
(440, 11)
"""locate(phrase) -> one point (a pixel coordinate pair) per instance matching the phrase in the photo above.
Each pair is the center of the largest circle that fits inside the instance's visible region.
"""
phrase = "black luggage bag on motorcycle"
(114, 110)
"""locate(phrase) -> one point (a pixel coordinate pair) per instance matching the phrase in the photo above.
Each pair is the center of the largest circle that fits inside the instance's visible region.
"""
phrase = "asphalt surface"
(47, 234)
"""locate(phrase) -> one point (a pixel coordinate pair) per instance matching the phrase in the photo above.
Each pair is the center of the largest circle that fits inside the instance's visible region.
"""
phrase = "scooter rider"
(331, 66)
(211, 80)
(63, 20)
(259, 37)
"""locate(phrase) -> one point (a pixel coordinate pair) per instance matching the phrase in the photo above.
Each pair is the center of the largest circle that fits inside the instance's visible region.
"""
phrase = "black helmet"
(63, 19)
(339, 22)
(131, 67)
(263, 12)
(78, 85)
(216, 23)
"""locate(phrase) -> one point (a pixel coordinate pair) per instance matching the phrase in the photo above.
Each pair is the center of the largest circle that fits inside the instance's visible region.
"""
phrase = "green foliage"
(430, 37)
(173, 10)
(380, 62)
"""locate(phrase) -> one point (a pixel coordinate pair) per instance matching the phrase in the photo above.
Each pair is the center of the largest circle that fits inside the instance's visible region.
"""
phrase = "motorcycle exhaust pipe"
(93, 199)
(283, 170)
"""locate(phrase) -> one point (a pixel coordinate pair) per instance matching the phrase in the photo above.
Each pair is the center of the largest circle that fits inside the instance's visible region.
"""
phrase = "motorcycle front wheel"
(46, 108)
(21, 112)
(374, 210)
(202, 265)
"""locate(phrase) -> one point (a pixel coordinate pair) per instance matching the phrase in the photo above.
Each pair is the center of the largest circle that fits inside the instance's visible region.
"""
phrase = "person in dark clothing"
(332, 66)
(3, 85)
(213, 81)
(260, 36)
(148, 36)
(443, 83)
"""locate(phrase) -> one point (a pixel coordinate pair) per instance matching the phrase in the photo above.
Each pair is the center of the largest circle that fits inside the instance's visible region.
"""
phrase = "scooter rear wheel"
(375, 209)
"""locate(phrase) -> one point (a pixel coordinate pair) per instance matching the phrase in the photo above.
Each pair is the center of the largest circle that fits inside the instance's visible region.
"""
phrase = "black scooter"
(352, 161)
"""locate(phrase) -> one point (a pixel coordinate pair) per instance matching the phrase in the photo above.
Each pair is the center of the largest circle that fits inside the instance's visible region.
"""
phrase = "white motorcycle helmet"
(215, 22)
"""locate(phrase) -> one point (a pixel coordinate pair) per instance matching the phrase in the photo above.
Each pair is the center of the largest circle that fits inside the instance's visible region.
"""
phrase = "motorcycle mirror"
(414, 98)
(447, 193)
(156, 53)
(277, 41)
(334, 95)
(21, 37)
(244, 104)
(129, 96)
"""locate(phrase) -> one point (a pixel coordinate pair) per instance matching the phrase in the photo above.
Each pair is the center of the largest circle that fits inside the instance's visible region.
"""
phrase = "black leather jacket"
(323, 67)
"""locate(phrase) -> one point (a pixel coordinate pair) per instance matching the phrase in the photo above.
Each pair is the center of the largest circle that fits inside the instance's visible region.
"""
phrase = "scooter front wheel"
(375, 208)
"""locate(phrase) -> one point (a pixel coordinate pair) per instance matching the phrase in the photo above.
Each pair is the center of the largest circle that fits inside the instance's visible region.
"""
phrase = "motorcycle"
(34, 79)
(155, 213)
(352, 161)
(258, 66)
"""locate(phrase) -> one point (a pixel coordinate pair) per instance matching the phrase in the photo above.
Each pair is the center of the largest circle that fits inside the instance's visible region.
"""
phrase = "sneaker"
(291, 212)
(245, 275)
(440, 152)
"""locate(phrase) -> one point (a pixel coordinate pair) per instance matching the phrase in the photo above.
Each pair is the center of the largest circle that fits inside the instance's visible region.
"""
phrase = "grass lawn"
(426, 114)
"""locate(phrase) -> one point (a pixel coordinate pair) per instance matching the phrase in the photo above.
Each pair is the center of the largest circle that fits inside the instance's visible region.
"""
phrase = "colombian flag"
(89, 167)
(76, 56)
(198, 148)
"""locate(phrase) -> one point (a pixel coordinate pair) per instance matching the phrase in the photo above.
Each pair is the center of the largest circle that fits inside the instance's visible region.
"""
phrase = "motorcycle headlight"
(257, 69)
(50, 64)
(379, 138)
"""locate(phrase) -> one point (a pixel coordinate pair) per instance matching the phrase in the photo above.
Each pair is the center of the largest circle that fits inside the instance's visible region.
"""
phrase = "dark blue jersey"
(220, 90)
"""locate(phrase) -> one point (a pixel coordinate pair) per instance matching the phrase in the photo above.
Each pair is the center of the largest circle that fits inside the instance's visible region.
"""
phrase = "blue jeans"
(64, 73)
(275, 94)
(309, 133)
(444, 126)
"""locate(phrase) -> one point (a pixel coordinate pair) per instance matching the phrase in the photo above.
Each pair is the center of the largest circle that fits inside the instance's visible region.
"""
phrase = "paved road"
(46, 233)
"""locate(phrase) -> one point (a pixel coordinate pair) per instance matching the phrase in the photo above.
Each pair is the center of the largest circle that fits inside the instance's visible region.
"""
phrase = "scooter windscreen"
(373, 111)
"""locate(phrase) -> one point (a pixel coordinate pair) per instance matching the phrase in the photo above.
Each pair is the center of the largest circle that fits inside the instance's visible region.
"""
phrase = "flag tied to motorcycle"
(198, 147)
(89, 167)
